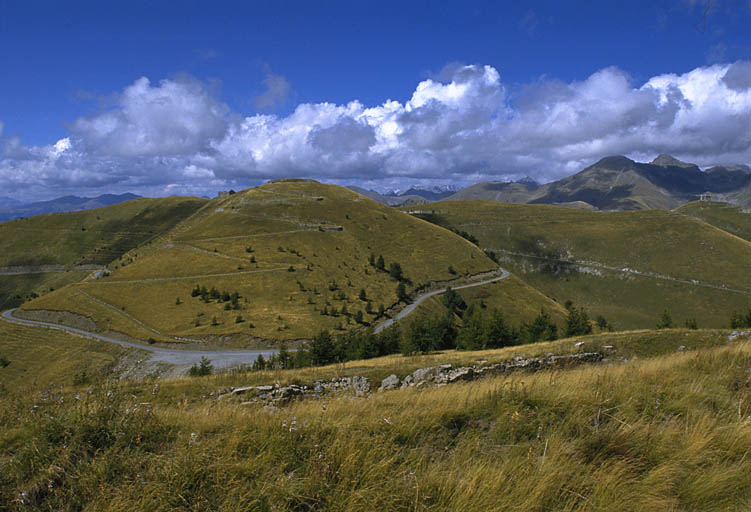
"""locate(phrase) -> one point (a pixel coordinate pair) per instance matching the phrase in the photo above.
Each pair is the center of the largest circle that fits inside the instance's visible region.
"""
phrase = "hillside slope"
(49, 251)
(728, 217)
(297, 254)
(15, 209)
(628, 266)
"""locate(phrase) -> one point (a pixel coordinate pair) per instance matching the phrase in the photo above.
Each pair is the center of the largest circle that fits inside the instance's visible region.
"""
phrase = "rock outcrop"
(447, 374)
(274, 395)
(277, 394)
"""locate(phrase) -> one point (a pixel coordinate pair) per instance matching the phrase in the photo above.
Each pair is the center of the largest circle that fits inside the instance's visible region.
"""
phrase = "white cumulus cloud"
(462, 126)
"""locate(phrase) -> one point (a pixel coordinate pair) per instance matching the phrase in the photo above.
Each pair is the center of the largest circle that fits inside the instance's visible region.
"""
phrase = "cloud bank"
(463, 126)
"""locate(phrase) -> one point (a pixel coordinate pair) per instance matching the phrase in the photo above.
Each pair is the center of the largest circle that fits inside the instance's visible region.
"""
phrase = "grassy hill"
(289, 250)
(518, 301)
(96, 236)
(728, 217)
(667, 430)
(48, 251)
(627, 266)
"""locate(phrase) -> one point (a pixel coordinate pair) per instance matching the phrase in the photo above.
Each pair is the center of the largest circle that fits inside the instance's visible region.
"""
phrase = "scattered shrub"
(204, 367)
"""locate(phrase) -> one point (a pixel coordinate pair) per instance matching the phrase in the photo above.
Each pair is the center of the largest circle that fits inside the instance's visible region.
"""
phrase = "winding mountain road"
(221, 359)
(411, 307)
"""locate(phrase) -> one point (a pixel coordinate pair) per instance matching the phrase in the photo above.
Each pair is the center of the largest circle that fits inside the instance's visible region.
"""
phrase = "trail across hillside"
(411, 307)
(624, 270)
(219, 358)
(222, 359)
(47, 269)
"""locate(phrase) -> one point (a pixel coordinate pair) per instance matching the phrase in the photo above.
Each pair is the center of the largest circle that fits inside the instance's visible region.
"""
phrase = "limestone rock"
(389, 383)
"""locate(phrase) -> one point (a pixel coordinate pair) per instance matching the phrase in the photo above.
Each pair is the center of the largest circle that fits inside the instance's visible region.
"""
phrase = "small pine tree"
(214, 322)
(381, 264)
(178, 301)
(260, 363)
(395, 271)
(381, 310)
(369, 308)
(666, 321)
(363, 295)
(691, 323)
(371, 260)
(322, 349)
(577, 322)
(204, 367)
(401, 292)
(239, 319)
(358, 317)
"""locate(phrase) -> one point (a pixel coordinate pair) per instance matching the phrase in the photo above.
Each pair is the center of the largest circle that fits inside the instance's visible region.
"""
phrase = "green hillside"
(728, 217)
(627, 266)
(96, 236)
(290, 251)
(518, 301)
(48, 251)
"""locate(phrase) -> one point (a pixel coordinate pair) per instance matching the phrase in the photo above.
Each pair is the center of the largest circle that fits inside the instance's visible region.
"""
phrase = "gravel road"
(221, 359)
(411, 307)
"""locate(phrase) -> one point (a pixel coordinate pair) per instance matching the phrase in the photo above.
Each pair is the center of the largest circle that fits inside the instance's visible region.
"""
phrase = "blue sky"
(192, 97)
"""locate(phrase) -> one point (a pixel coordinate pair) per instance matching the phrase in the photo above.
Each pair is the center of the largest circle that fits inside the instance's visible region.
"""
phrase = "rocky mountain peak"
(664, 160)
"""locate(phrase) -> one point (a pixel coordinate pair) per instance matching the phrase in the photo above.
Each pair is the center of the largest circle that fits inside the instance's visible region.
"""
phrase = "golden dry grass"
(311, 245)
(672, 432)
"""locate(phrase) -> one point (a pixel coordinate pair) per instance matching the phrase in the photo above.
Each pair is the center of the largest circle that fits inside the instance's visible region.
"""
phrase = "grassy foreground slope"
(668, 432)
(42, 358)
(64, 241)
(291, 250)
(628, 266)
(728, 217)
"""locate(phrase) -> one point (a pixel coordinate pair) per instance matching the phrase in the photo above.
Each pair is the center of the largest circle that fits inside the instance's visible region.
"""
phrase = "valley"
(627, 266)
(295, 333)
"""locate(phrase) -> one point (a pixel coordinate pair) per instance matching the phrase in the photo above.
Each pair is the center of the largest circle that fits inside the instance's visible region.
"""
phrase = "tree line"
(478, 330)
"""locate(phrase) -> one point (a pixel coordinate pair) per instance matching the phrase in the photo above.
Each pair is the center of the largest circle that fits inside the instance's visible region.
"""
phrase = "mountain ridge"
(619, 183)
(12, 209)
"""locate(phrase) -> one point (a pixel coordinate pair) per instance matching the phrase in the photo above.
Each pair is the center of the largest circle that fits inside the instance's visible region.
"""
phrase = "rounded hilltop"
(280, 261)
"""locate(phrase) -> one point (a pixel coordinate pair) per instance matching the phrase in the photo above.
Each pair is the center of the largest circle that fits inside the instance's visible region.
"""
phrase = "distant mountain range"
(410, 196)
(435, 193)
(13, 209)
(613, 183)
